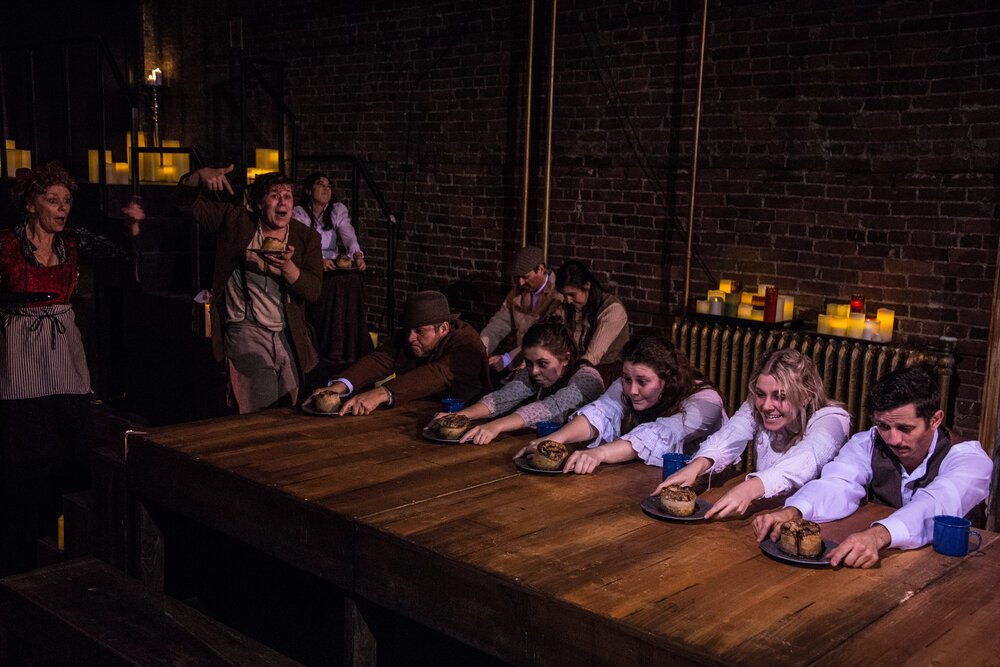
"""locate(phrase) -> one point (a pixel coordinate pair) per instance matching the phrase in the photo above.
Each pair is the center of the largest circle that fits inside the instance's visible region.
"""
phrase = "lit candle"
(716, 305)
(757, 315)
(823, 324)
(762, 289)
(779, 311)
(155, 77)
(843, 309)
(831, 309)
(886, 319)
(871, 328)
(746, 297)
(789, 313)
(745, 311)
(856, 325)
(701, 307)
(726, 286)
(838, 326)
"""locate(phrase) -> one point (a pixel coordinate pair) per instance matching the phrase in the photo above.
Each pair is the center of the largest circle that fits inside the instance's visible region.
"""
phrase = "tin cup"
(673, 461)
(546, 428)
(951, 535)
(451, 404)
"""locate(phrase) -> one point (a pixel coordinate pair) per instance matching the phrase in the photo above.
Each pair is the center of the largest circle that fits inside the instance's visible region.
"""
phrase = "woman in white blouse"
(660, 404)
(795, 430)
(331, 219)
(553, 383)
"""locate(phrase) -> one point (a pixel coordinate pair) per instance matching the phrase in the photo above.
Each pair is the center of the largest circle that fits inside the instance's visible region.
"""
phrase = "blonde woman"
(795, 430)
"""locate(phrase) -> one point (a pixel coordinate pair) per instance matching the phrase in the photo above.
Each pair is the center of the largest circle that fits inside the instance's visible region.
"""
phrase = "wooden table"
(542, 569)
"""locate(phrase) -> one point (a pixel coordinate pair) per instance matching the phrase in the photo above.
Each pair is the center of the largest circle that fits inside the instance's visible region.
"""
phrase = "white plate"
(774, 551)
(651, 506)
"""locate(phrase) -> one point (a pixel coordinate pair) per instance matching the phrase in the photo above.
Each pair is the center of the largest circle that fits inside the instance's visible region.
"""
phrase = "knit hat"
(428, 307)
(527, 259)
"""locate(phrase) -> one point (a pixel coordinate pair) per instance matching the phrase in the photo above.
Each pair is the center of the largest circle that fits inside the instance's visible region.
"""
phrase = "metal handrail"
(359, 168)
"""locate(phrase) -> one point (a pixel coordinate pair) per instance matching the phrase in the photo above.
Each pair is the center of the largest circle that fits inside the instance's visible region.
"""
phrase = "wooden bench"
(84, 612)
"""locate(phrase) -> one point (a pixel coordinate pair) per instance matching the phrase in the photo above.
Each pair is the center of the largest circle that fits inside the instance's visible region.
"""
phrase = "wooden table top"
(532, 568)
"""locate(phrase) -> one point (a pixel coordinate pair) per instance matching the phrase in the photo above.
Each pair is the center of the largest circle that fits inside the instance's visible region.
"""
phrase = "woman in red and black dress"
(45, 420)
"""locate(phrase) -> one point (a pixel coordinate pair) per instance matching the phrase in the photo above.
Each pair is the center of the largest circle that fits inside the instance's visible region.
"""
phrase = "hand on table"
(529, 448)
(584, 461)
(483, 434)
(861, 549)
(365, 403)
(686, 476)
(737, 499)
(768, 526)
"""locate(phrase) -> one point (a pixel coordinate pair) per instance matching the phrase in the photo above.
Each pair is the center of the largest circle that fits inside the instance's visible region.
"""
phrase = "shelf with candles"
(265, 162)
(17, 158)
(746, 323)
(762, 304)
(848, 320)
(154, 168)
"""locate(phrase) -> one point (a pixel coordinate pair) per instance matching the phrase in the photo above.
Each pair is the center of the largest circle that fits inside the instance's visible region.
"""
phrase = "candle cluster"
(764, 304)
(265, 162)
(17, 158)
(848, 319)
(153, 167)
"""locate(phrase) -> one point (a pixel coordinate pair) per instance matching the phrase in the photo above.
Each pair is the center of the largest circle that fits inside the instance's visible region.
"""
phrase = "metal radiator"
(728, 353)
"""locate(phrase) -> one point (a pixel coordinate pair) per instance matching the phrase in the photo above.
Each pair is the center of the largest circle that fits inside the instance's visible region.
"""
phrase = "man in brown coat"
(434, 353)
(532, 298)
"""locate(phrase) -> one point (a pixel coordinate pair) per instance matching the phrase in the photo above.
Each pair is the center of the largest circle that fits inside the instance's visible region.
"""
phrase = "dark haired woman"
(45, 419)
(596, 320)
(331, 219)
(258, 295)
(337, 318)
(661, 404)
(552, 383)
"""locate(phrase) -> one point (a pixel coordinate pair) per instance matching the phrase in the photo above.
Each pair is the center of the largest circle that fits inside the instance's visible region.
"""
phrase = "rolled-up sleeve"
(605, 414)
(825, 434)
(700, 414)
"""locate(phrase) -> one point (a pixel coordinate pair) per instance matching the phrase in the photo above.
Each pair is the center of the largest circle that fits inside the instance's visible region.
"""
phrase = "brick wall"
(846, 147)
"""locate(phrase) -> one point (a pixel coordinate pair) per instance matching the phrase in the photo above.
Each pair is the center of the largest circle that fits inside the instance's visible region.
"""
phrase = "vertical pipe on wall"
(694, 159)
(527, 125)
(548, 138)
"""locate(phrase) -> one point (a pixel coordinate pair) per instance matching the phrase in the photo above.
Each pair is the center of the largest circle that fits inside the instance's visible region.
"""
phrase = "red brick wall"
(846, 147)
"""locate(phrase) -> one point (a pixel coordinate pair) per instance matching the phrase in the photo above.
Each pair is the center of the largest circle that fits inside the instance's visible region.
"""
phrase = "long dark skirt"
(338, 319)
(44, 453)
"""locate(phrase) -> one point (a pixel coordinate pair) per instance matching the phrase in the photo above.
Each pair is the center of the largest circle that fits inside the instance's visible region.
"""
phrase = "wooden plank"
(951, 622)
(84, 612)
(696, 590)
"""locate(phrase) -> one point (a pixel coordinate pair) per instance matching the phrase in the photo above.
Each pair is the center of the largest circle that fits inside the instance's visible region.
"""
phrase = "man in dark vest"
(906, 461)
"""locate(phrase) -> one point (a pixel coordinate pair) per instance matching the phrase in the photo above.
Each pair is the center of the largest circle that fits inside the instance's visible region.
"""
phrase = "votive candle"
(789, 313)
(856, 325)
(886, 319)
(823, 324)
(838, 326)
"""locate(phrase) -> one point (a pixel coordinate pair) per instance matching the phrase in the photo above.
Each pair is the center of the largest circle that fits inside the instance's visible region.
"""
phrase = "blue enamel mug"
(951, 535)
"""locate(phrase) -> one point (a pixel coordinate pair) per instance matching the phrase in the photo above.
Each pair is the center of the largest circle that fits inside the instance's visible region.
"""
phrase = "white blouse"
(779, 467)
(700, 413)
(341, 227)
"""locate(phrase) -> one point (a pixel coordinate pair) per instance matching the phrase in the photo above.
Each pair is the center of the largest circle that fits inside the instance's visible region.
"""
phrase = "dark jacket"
(235, 228)
(458, 366)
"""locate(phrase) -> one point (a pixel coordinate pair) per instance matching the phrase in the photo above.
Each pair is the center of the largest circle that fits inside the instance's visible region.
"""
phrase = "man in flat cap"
(532, 298)
(433, 353)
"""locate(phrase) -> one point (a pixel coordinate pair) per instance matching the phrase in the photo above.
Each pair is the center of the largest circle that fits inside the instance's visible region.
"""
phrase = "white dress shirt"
(962, 482)
(700, 413)
(779, 468)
